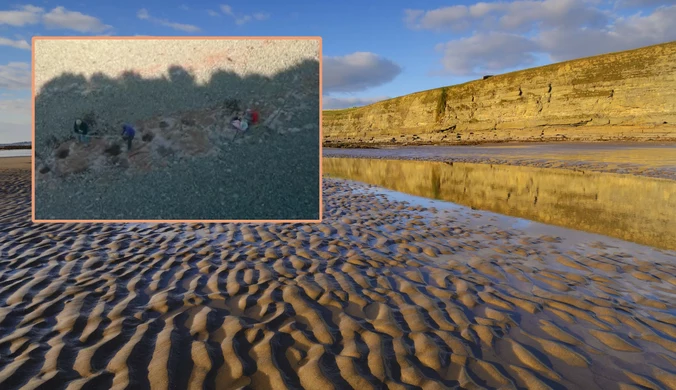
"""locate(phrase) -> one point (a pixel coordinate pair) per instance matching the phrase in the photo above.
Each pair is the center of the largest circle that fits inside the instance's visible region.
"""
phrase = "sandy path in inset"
(382, 294)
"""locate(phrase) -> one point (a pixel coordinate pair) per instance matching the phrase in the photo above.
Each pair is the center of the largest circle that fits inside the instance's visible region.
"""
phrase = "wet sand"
(633, 208)
(382, 294)
(635, 158)
(23, 162)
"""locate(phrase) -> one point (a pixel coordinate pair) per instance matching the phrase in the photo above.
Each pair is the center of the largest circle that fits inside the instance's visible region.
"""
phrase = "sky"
(372, 50)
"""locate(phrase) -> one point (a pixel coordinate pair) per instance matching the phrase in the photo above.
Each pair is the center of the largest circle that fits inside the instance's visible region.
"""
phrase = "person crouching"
(251, 116)
(81, 130)
(128, 134)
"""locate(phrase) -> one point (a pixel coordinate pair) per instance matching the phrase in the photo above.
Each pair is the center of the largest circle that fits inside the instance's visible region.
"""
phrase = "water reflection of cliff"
(632, 208)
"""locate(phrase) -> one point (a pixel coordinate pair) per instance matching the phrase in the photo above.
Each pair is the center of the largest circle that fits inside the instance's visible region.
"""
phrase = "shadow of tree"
(130, 98)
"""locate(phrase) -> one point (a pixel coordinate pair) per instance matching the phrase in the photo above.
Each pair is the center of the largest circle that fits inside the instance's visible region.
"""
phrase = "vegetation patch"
(387, 105)
(90, 118)
(188, 121)
(232, 104)
(441, 104)
(63, 153)
(113, 150)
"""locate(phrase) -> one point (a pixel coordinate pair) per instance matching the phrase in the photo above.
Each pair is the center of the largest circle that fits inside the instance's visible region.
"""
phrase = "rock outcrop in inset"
(628, 95)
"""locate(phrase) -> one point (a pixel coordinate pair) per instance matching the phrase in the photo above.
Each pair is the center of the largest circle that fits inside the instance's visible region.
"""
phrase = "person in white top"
(240, 122)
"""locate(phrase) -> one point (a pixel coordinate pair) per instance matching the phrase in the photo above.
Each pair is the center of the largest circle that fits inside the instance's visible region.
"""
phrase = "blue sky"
(372, 50)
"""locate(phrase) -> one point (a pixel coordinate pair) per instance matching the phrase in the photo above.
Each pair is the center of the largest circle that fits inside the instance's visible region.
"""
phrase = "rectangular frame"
(321, 134)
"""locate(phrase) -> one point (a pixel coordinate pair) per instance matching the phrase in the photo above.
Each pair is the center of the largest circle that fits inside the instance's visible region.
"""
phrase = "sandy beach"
(15, 163)
(387, 292)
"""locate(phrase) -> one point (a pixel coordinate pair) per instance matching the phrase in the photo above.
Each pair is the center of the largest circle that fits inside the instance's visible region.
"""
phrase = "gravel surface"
(274, 179)
(252, 180)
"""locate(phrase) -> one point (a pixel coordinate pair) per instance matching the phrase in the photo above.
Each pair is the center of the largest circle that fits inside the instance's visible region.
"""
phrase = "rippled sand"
(382, 294)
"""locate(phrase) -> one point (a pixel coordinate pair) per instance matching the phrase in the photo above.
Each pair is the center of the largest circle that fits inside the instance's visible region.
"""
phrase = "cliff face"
(627, 95)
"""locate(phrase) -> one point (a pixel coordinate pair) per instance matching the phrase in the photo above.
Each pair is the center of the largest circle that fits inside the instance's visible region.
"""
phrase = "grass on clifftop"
(441, 104)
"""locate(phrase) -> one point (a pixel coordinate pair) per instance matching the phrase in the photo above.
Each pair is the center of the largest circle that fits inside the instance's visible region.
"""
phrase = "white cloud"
(505, 35)
(520, 15)
(213, 13)
(15, 120)
(524, 15)
(240, 19)
(57, 18)
(490, 52)
(179, 26)
(15, 75)
(453, 17)
(21, 16)
(19, 44)
(14, 132)
(641, 3)
(626, 33)
(20, 107)
(227, 10)
(60, 17)
(143, 14)
(357, 72)
(334, 103)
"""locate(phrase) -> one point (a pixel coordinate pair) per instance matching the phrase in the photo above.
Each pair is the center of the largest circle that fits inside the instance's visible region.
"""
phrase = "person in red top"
(251, 116)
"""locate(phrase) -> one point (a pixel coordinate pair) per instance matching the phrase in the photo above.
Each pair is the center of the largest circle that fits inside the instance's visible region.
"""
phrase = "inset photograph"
(139, 129)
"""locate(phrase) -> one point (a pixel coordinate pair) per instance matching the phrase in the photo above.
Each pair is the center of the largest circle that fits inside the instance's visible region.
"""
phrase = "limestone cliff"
(628, 95)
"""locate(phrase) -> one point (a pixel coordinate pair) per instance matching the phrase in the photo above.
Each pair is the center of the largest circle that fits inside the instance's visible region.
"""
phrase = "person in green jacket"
(81, 131)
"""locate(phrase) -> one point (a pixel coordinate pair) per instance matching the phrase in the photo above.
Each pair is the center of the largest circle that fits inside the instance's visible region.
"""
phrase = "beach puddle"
(631, 208)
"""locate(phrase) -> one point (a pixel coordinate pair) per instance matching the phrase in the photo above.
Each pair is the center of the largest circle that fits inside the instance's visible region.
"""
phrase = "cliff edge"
(628, 95)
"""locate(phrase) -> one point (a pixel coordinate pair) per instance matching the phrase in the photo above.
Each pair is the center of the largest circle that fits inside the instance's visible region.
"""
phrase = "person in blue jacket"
(128, 134)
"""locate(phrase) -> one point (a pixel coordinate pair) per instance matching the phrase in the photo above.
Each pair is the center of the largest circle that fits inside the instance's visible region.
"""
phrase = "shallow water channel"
(632, 208)
(15, 153)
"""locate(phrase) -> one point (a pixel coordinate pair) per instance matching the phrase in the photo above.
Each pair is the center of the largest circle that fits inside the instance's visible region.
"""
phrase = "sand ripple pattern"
(380, 295)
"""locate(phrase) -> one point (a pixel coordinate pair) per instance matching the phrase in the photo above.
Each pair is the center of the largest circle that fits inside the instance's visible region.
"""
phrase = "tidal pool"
(632, 208)
(649, 155)
(15, 153)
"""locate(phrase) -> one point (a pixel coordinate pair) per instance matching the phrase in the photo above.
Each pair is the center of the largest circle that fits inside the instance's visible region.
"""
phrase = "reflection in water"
(631, 208)
(611, 154)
